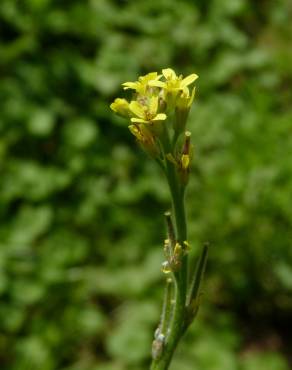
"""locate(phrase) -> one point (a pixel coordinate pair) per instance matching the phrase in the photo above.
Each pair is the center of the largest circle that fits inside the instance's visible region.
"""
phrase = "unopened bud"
(185, 158)
(187, 143)
(183, 106)
(121, 107)
(145, 138)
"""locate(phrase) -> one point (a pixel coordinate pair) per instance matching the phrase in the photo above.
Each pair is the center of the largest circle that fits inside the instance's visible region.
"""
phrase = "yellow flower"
(121, 107)
(146, 113)
(141, 86)
(173, 83)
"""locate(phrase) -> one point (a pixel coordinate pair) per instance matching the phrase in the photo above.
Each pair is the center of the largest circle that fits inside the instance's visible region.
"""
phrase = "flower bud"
(121, 107)
(185, 159)
(145, 138)
(183, 106)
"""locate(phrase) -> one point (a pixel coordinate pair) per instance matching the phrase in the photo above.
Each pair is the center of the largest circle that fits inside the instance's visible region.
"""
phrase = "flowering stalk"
(158, 115)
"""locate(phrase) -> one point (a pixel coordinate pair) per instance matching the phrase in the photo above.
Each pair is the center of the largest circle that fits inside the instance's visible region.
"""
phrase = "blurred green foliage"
(81, 206)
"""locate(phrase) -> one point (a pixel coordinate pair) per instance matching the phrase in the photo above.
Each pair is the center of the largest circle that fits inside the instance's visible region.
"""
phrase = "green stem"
(181, 277)
(163, 362)
(180, 218)
(167, 306)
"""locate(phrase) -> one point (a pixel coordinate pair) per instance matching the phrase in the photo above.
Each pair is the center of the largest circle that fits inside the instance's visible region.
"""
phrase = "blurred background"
(81, 206)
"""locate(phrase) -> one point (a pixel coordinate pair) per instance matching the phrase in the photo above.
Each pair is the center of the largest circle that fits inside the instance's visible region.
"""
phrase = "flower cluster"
(158, 113)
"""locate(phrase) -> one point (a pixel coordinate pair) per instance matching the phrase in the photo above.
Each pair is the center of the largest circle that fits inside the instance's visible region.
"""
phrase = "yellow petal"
(130, 85)
(113, 107)
(185, 92)
(137, 109)
(185, 161)
(189, 79)
(156, 83)
(134, 130)
(138, 120)
(153, 105)
(191, 99)
(150, 76)
(169, 74)
(160, 117)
